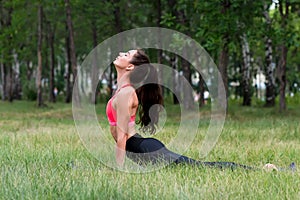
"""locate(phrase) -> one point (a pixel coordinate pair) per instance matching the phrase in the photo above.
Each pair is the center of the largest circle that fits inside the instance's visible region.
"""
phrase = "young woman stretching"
(132, 67)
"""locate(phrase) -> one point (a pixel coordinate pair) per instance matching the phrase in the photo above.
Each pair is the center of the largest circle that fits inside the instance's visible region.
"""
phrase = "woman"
(133, 67)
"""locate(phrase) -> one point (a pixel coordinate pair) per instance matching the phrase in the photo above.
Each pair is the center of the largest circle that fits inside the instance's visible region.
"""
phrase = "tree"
(246, 71)
(73, 60)
(6, 51)
(284, 9)
(223, 27)
(224, 53)
(293, 62)
(269, 69)
(177, 17)
(49, 15)
(69, 70)
(39, 56)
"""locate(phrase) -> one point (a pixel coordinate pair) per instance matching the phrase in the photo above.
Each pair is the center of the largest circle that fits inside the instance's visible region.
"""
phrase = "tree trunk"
(52, 97)
(3, 72)
(95, 71)
(201, 91)
(119, 29)
(7, 71)
(224, 54)
(10, 84)
(3, 75)
(223, 63)
(110, 81)
(117, 16)
(246, 71)
(159, 51)
(284, 13)
(17, 89)
(201, 83)
(68, 72)
(173, 61)
(188, 101)
(118, 22)
(1, 63)
(28, 70)
(39, 55)
(269, 71)
(282, 76)
(72, 51)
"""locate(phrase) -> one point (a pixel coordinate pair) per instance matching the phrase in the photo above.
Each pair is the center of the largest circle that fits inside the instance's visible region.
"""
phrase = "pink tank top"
(112, 113)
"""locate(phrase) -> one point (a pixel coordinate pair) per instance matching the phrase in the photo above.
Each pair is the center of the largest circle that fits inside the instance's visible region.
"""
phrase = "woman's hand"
(121, 147)
(120, 156)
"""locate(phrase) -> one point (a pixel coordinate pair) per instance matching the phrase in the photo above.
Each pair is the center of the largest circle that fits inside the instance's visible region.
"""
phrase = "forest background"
(255, 45)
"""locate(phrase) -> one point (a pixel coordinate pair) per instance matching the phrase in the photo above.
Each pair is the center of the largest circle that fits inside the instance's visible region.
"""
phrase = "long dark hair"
(145, 79)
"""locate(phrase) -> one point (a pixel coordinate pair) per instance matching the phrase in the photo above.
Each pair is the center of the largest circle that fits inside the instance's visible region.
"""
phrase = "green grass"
(42, 157)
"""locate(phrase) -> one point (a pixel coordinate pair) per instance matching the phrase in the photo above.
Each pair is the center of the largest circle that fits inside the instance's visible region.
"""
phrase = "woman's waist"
(114, 123)
(131, 130)
(133, 142)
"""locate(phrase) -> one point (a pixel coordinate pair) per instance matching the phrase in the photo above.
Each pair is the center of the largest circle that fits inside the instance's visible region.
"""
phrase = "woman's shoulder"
(128, 91)
(126, 94)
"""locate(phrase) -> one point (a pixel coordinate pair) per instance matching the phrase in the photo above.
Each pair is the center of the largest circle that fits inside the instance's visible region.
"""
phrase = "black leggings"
(150, 150)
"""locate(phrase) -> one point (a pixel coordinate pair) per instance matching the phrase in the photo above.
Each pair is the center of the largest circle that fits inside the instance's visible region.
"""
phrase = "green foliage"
(294, 100)
(29, 90)
(208, 22)
(168, 20)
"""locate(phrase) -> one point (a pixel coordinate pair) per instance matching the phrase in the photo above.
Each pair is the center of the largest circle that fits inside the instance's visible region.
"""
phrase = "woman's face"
(124, 58)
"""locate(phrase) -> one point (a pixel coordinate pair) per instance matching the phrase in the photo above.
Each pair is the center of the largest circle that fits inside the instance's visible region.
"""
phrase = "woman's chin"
(116, 63)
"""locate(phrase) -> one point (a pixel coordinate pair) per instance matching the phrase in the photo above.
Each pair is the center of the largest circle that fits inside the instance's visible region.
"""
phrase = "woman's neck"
(122, 79)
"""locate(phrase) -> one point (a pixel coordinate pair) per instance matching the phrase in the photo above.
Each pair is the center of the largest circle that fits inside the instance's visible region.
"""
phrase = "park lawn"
(42, 157)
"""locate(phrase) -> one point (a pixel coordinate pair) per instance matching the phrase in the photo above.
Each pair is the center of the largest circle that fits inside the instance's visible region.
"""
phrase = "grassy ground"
(42, 157)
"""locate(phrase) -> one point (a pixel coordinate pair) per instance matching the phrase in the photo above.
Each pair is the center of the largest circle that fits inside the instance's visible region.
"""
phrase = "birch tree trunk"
(246, 71)
(173, 61)
(269, 71)
(201, 83)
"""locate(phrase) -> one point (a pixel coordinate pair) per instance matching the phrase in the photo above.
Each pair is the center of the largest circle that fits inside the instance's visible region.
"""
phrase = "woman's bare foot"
(270, 167)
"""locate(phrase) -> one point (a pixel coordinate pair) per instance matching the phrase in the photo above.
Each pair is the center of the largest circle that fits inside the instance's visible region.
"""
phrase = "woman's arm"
(124, 102)
(121, 147)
